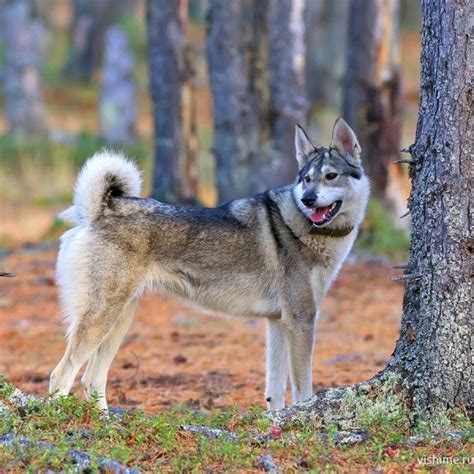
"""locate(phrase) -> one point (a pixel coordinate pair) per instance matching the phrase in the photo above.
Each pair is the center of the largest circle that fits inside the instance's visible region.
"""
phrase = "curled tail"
(104, 176)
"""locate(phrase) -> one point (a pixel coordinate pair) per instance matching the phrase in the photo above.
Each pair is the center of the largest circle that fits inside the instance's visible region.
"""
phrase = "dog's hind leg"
(88, 331)
(94, 379)
(277, 365)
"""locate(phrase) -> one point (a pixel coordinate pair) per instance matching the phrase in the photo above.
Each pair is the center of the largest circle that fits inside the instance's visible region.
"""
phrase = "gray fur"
(250, 258)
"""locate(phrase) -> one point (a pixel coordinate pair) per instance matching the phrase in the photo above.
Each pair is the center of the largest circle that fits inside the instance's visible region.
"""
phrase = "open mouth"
(322, 215)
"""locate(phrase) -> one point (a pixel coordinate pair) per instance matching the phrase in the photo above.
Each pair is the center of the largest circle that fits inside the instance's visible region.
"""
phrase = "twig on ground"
(81, 459)
(212, 433)
(265, 461)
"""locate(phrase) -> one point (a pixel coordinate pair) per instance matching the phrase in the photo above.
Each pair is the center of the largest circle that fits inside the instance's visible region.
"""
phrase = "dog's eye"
(307, 178)
(331, 176)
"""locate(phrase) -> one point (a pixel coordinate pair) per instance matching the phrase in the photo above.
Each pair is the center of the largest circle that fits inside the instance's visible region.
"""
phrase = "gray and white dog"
(270, 256)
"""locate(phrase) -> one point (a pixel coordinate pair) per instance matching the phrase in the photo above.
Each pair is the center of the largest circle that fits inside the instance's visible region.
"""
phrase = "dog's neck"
(331, 232)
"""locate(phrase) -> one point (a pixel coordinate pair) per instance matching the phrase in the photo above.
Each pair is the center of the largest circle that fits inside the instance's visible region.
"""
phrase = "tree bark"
(435, 349)
(235, 60)
(174, 178)
(372, 99)
(20, 33)
(288, 104)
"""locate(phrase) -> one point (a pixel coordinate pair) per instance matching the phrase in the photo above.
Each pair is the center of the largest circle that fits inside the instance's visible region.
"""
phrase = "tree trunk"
(118, 107)
(288, 104)
(90, 20)
(172, 90)
(431, 369)
(326, 30)
(235, 58)
(372, 102)
(20, 33)
(435, 350)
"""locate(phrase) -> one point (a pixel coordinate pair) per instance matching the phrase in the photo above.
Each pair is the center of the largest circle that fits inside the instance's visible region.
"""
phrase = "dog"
(270, 256)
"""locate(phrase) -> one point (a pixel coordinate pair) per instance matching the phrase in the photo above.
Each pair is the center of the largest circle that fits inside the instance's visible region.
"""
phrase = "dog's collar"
(341, 232)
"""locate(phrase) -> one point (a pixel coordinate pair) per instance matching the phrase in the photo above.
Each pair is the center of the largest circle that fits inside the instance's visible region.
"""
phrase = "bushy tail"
(104, 176)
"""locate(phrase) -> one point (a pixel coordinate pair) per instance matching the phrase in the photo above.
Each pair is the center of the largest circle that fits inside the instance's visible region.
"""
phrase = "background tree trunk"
(372, 99)
(174, 178)
(118, 108)
(435, 349)
(286, 69)
(235, 60)
(89, 22)
(326, 30)
(21, 33)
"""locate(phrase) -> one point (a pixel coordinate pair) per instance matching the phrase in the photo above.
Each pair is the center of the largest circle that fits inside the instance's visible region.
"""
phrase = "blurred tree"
(90, 19)
(256, 58)
(236, 67)
(118, 108)
(372, 99)
(172, 90)
(286, 70)
(20, 33)
(326, 31)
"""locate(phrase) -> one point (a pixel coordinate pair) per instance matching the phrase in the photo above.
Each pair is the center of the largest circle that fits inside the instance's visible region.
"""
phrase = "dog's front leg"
(300, 338)
(277, 365)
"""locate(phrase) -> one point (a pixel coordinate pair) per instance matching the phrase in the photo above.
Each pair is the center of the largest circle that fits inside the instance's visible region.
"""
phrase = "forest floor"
(174, 354)
(180, 368)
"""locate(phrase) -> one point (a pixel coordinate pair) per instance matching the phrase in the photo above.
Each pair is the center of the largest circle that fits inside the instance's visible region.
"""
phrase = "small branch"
(8, 274)
(402, 266)
(408, 276)
(407, 149)
(405, 161)
(405, 214)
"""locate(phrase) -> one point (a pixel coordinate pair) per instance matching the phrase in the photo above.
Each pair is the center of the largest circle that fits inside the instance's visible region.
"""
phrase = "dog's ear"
(345, 141)
(304, 146)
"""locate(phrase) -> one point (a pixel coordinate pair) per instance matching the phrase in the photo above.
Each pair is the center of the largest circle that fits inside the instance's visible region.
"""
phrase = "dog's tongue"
(319, 214)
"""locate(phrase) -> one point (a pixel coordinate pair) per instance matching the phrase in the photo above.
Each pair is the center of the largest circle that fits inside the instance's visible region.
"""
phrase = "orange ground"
(174, 354)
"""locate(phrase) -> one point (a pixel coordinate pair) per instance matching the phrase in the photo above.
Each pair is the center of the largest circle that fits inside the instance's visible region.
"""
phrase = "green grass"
(158, 442)
(38, 172)
(379, 235)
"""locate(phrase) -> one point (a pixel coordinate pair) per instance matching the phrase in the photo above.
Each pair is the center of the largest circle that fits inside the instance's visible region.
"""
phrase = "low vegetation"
(68, 434)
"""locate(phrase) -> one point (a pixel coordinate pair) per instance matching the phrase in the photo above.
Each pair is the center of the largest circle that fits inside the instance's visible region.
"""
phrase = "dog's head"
(331, 185)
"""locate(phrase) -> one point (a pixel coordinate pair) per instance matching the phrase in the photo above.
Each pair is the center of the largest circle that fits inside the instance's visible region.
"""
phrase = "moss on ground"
(159, 443)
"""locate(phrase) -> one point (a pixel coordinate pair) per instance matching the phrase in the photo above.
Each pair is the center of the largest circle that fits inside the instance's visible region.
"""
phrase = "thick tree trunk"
(435, 350)
(288, 104)
(20, 33)
(372, 101)
(118, 107)
(431, 369)
(235, 57)
(174, 178)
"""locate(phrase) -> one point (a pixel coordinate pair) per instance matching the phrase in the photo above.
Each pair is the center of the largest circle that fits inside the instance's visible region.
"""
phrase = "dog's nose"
(308, 201)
